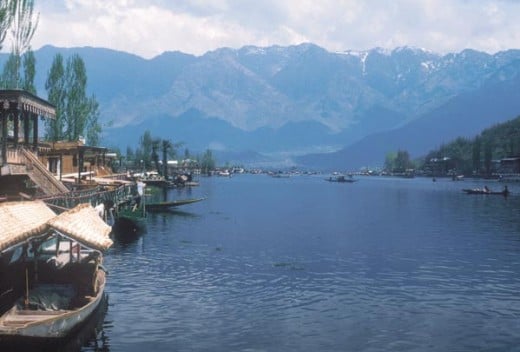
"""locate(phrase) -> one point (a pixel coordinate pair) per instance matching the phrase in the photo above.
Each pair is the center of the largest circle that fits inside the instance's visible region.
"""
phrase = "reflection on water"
(299, 264)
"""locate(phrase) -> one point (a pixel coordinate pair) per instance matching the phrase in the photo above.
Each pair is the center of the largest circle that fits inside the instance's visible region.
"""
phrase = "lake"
(300, 264)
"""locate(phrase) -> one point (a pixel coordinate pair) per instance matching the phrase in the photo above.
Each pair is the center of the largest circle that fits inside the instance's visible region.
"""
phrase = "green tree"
(22, 28)
(55, 86)
(145, 148)
(76, 103)
(476, 155)
(6, 19)
(29, 72)
(167, 149)
(9, 79)
(156, 143)
(207, 162)
(488, 157)
(398, 161)
(402, 161)
(77, 114)
(390, 161)
(93, 126)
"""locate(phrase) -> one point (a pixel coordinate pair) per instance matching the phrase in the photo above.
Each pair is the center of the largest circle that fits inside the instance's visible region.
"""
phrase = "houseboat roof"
(21, 100)
(67, 146)
(23, 220)
(83, 224)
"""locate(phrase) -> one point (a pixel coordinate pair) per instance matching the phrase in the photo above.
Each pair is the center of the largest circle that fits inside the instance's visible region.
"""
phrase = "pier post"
(35, 133)
(3, 116)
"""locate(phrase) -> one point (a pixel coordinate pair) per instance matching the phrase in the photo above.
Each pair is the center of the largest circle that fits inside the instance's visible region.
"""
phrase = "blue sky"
(150, 27)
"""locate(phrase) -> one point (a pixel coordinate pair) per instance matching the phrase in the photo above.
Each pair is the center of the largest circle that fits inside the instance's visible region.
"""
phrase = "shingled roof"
(20, 221)
(84, 225)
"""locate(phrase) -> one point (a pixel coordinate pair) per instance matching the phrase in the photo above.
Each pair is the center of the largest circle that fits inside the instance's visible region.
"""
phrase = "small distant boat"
(281, 175)
(341, 179)
(457, 178)
(170, 204)
(504, 193)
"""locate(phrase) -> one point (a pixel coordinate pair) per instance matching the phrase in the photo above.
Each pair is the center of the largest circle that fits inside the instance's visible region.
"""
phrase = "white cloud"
(149, 27)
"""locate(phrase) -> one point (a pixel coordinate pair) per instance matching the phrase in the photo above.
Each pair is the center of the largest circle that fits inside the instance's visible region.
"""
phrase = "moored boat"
(171, 204)
(130, 220)
(131, 217)
(52, 273)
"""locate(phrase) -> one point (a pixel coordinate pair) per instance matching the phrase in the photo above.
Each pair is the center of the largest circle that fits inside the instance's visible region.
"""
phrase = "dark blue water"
(299, 264)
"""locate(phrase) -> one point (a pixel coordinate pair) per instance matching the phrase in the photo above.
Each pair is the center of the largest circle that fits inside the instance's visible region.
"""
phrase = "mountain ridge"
(329, 100)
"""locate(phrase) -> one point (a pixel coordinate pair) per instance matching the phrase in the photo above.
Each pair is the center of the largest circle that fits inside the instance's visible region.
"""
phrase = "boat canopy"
(83, 224)
(22, 220)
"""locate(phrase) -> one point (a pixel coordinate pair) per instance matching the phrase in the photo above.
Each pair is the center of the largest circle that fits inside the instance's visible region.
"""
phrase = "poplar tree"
(55, 86)
(22, 24)
(77, 115)
(29, 72)
(207, 162)
(5, 19)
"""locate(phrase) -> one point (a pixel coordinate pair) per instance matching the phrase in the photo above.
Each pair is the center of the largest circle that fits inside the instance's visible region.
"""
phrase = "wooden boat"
(170, 204)
(280, 175)
(50, 291)
(130, 220)
(131, 217)
(341, 179)
(504, 193)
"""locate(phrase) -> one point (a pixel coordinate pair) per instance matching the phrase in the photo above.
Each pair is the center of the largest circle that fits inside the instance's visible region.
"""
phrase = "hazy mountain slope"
(465, 115)
(288, 100)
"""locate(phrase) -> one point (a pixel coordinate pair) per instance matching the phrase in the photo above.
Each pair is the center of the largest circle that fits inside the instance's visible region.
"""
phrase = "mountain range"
(298, 104)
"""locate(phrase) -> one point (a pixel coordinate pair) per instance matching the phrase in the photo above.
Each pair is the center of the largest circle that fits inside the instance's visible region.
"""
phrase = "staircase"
(39, 174)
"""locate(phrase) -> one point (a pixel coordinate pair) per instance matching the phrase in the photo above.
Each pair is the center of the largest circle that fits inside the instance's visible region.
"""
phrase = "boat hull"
(478, 191)
(166, 205)
(48, 325)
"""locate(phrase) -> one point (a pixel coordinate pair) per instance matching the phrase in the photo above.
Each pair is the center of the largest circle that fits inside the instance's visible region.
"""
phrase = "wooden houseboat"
(51, 269)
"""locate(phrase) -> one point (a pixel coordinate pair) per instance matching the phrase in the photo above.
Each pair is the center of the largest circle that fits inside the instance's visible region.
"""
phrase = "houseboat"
(52, 277)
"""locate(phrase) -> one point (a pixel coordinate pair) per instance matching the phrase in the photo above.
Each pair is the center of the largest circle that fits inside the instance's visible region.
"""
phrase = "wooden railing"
(14, 156)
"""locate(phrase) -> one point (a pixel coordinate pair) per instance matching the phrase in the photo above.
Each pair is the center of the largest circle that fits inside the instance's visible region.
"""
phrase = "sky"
(150, 27)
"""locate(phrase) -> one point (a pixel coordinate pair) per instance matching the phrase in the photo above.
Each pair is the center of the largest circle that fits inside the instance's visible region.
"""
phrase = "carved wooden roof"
(23, 101)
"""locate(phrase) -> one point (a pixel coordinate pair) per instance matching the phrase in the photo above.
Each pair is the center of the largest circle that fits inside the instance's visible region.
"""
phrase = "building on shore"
(20, 168)
(71, 161)
(32, 167)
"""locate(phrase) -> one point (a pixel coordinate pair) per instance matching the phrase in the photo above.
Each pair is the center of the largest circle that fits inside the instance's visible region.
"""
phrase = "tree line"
(467, 156)
(154, 153)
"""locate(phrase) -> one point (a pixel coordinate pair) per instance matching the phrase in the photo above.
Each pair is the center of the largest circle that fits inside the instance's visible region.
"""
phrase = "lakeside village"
(61, 205)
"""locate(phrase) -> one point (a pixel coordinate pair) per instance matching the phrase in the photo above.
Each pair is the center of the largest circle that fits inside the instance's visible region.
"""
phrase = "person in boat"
(506, 190)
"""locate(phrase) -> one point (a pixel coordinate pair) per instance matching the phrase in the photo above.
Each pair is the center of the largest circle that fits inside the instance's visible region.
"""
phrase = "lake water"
(300, 264)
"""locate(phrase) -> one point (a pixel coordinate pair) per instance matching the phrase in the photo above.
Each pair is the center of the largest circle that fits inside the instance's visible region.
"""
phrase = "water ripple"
(355, 275)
